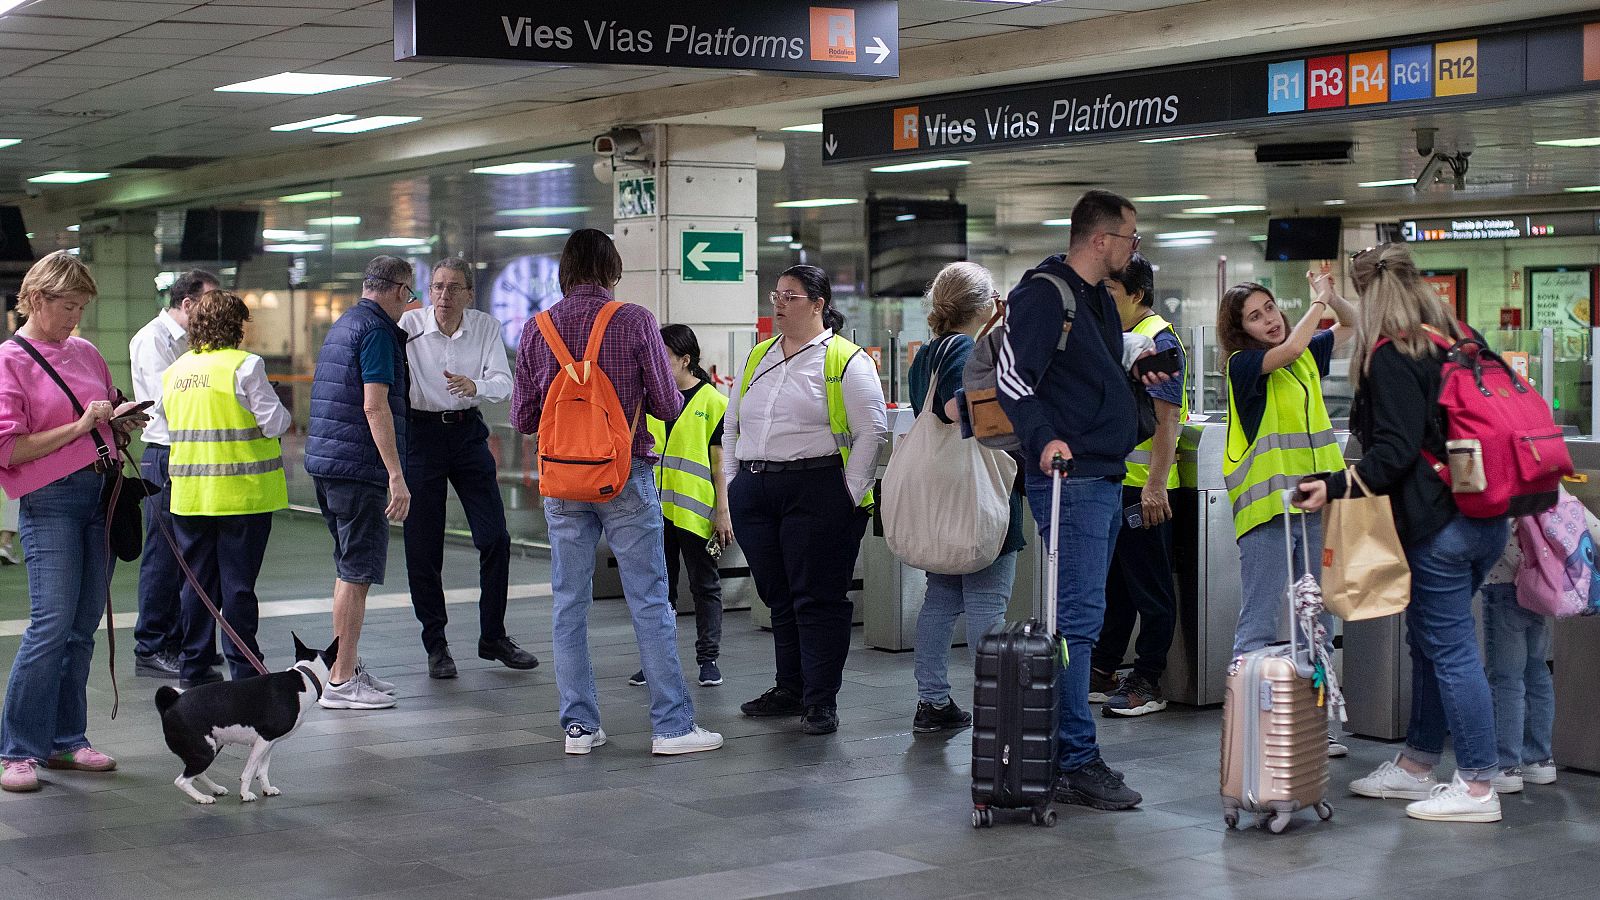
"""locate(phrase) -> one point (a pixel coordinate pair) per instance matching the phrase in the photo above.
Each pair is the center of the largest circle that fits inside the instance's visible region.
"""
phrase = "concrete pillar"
(121, 252)
(705, 181)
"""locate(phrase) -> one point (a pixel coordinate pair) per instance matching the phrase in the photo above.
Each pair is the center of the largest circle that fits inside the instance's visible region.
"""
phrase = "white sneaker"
(7, 557)
(1390, 782)
(581, 740)
(373, 681)
(1454, 803)
(354, 694)
(1336, 747)
(1509, 781)
(1540, 773)
(695, 741)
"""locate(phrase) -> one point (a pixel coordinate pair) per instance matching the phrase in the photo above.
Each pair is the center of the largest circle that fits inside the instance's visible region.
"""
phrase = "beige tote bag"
(1364, 569)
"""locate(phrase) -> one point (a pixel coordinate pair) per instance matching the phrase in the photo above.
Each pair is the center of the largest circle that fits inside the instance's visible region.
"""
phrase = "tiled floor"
(464, 791)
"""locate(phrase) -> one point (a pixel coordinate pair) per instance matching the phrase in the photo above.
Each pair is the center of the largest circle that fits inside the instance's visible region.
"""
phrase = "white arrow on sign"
(831, 144)
(879, 49)
(701, 254)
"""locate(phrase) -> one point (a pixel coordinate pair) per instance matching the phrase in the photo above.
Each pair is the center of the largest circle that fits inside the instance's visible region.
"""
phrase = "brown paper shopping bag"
(1364, 569)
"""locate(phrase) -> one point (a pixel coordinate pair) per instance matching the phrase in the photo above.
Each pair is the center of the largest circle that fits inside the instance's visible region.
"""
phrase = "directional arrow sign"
(713, 256)
(831, 145)
(879, 50)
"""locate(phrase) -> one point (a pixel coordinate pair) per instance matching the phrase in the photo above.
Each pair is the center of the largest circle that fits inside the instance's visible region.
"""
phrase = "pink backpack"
(1514, 449)
(1557, 576)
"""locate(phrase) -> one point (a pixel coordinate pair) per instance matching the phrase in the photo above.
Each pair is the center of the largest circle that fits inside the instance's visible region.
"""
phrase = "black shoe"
(939, 718)
(820, 720)
(637, 679)
(441, 664)
(776, 702)
(505, 650)
(1097, 787)
(1102, 685)
(207, 677)
(159, 664)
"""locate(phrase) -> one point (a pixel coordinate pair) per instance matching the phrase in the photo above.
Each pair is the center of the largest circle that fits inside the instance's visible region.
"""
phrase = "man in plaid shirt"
(634, 358)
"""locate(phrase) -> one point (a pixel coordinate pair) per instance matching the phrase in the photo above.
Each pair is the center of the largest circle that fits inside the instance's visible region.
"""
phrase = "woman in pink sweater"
(50, 463)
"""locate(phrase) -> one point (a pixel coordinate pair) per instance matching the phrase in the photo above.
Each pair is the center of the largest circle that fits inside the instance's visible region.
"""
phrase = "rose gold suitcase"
(1274, 735)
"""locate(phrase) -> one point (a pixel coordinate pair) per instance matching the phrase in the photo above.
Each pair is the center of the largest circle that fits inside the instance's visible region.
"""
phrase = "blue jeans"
(63, 529)
(1449, 690)
(632, 524)
(1264, 603)
(982, 595)
(1091, 514)
(1517, 643)
(160, 580)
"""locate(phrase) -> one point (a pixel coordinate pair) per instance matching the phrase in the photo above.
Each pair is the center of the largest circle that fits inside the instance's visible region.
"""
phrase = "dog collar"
(315, 681)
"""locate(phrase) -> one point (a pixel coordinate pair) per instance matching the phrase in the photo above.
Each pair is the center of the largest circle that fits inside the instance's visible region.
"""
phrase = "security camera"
(1430, 173)
(1425, 138)
(624, 142)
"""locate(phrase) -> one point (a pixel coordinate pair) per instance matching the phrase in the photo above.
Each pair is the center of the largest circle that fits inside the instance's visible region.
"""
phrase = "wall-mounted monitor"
(220, 235)
(909, 241)
(1303, 238)
(14, 246)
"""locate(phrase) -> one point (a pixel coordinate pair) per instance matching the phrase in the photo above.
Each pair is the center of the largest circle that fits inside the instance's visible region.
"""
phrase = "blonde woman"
(1396, 417)
(963, 297)
(52, 464)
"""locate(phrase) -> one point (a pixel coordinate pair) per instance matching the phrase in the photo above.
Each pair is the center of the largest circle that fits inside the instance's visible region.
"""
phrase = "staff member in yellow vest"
(1139, 584)
(224, 420)
(694, 498)
(1278, 432)
(800, 450)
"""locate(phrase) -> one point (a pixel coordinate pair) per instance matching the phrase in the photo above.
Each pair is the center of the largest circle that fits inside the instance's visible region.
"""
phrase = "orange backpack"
(585, 443)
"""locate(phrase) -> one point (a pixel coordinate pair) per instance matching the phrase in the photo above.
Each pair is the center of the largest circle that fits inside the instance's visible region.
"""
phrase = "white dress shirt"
(785, 415)
(255, 393)
(474, 350)
(152, 350)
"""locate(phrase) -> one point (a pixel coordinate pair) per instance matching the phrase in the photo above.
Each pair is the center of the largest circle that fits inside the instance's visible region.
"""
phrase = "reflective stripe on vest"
(839, 354)
(1139, 460)
(1295, 439)
(221, 464)
(688, 495)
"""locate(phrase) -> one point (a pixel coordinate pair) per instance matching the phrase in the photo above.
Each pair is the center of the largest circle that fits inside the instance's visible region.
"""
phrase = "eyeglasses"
(786, 297)
(1360, 253)
(451, 290)
(1127, 237)
(410, 292)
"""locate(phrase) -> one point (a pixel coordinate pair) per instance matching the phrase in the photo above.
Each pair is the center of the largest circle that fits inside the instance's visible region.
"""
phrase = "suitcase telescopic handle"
(1060, 468)
(1288, 555)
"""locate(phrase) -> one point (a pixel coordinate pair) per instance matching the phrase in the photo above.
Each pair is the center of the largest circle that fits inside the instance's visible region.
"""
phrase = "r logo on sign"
(905, 128)
(833, 34)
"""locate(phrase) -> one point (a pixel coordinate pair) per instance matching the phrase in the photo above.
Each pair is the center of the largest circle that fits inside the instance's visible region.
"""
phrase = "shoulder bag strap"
(597, 332)
(547, 327)
(1069, 305)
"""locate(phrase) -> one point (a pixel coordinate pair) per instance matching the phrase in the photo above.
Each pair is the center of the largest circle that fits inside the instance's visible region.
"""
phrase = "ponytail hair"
(817, 287)
(680, 341)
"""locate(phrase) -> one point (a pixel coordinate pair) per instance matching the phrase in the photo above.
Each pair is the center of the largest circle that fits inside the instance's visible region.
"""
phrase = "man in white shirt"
(457, 361)
(155, 347)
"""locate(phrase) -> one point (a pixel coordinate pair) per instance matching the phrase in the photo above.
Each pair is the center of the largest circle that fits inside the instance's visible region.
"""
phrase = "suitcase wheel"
(1045, 817)
(1279, 822)
(1324, 811)
(1231, 819)
(982, 817)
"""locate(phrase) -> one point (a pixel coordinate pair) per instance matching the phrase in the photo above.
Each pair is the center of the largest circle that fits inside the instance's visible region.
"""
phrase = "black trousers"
(440, 456)
(705, 585)
(1139, 584)
(225, 553)
(800, 532)
(160, 625)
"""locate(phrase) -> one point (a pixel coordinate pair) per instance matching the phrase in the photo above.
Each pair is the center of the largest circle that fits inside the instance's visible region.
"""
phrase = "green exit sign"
(712, 256)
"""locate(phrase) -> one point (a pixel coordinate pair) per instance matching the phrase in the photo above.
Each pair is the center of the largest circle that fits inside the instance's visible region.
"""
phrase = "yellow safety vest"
(688, 494)
(839, 354)
(1295, 439)
(1139, 459)
(221, 463)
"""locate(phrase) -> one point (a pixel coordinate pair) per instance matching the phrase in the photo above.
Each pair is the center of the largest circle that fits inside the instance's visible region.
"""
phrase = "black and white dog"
(257, 712)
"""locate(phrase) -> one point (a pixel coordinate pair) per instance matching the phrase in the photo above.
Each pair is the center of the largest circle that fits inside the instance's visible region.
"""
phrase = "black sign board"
(1489, 228)
(834, 39)
(1396, 77)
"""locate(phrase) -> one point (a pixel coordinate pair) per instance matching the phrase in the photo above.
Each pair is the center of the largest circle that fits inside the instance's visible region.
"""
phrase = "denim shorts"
(354, 513)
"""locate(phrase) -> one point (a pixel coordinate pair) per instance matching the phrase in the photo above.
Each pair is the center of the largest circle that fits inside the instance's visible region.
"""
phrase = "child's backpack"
(1507, 454)
(1558, 576)
(585, 441)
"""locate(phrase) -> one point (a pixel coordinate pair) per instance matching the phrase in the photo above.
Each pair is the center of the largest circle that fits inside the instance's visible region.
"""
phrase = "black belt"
(448, 417)
(758, 466)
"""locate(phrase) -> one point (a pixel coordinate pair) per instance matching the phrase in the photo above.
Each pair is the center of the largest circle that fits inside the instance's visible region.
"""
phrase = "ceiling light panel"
(313, 123)
(370, 123)
(300, 83)
(521, 168)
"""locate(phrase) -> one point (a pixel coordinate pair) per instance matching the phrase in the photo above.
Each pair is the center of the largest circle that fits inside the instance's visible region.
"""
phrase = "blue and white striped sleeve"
(1033, 326)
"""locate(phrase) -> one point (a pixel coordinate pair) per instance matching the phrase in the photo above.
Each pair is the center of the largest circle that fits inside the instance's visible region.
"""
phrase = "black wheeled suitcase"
(1014, 707)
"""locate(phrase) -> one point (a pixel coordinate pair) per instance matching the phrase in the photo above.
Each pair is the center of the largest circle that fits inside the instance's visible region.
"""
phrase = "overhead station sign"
(1558, 224)
(1397, 78)
(833, 39)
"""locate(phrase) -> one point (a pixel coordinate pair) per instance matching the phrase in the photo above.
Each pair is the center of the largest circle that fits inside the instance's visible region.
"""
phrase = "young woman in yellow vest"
(1278, 431)
(227, 479)
(694, 499)
(800, 449)
(1139, 584)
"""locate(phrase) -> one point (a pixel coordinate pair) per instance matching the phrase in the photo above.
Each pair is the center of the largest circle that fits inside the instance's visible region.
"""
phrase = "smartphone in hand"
(1168, 362)
(135, 411)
